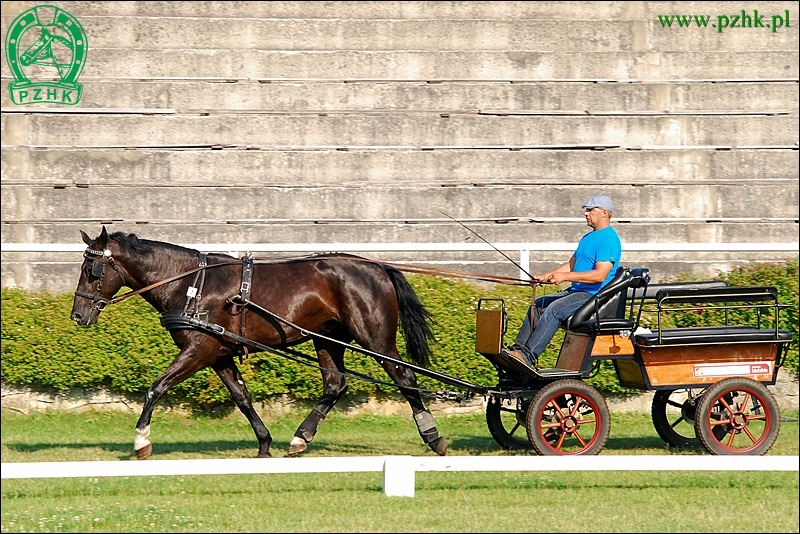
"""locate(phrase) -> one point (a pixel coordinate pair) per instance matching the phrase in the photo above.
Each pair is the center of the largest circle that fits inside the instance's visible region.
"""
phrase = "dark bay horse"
(345, 298)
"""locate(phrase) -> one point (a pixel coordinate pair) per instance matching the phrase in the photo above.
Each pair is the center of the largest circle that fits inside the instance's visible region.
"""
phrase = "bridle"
(103, 258)
(99, 262)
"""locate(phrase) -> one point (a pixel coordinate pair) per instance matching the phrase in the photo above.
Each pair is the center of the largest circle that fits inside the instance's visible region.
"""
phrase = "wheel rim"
(740, 417)
(568, 420)
(506, 423)
(673, 414)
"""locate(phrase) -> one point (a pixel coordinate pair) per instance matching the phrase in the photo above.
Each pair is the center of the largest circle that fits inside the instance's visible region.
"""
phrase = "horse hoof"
(144, 452)
(297, 446)
(263, 455)
(439, 446)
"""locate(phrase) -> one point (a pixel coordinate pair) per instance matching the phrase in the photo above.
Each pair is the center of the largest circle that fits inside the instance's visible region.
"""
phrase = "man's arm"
(596, 275)
(563, 268)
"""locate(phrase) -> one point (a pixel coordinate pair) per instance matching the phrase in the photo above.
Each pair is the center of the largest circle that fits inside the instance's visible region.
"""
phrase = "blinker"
(98, 268)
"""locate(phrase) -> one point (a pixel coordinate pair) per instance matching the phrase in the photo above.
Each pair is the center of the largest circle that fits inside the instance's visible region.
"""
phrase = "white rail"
(522, 249)
(399, 472)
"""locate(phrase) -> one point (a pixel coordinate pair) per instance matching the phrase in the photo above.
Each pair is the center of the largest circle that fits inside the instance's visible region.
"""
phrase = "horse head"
(100, 278)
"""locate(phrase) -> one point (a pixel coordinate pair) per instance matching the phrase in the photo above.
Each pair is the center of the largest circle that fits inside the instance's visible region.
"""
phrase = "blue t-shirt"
(597, 245)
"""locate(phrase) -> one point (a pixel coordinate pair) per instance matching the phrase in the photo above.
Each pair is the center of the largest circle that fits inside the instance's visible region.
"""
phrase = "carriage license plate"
(703, 370)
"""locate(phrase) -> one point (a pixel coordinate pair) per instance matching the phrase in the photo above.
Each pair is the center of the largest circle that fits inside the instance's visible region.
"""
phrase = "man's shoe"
(518, 361)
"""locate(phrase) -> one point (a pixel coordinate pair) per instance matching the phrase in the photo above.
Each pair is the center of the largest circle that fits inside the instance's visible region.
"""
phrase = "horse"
(331, 299)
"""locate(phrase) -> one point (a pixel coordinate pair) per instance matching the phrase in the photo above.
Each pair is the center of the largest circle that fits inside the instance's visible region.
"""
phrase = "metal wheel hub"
(738, 421)
(689, 411)
(569, 424)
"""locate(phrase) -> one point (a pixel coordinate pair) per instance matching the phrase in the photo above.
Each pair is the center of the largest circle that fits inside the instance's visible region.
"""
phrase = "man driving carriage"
(591, 266)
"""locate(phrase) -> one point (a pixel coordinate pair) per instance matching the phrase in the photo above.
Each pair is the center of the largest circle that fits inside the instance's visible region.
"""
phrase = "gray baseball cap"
(599, 201)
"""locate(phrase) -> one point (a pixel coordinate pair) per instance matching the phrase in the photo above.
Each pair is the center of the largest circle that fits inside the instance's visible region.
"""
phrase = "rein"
(105, 258)
(100, 303)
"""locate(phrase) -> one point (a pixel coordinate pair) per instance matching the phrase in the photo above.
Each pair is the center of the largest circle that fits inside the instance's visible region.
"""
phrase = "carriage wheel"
(506, 422)
(568, 417)
(673, 414)
(737, 416)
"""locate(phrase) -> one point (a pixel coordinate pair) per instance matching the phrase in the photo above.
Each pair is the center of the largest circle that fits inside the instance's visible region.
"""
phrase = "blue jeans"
(549, 311)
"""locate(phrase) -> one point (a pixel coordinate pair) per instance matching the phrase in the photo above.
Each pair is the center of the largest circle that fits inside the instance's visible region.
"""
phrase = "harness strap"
(247, 276)
(244, 296)
(195, 291)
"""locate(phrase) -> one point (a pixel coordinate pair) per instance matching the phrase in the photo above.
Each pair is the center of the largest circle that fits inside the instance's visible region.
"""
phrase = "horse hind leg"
(230, 375)
(331, 361)
(407, 382)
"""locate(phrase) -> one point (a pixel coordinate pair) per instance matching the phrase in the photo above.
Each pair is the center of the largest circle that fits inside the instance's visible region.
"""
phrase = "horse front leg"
(229, 373)
(407, 382)
(187, 363)
(331, 358)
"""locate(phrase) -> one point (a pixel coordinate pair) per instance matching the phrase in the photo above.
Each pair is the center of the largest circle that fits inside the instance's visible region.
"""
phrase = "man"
(592, 265)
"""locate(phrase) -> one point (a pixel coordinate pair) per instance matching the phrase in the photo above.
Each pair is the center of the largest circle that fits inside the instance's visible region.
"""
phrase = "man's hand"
(557, 277)
(540, 279)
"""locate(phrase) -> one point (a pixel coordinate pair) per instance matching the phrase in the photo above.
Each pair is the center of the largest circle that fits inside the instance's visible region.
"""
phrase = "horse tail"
(414, 318)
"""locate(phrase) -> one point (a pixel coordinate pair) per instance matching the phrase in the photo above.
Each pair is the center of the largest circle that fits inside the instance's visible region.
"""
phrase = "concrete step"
(436, 66)
(413, 130)
(180, 97)
(430, 34)
(432, 230)
(557, 12)
(147, 203)
(68, 167)
(351, 10)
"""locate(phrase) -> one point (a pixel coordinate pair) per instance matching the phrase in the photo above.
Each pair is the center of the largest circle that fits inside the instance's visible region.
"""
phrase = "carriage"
(709, 381)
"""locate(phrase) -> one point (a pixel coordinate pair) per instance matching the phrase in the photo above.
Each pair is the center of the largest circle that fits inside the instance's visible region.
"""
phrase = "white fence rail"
(399, 472)
(523, 250)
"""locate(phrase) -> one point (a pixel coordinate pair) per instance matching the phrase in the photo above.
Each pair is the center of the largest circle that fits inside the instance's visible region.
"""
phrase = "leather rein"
(104, 257)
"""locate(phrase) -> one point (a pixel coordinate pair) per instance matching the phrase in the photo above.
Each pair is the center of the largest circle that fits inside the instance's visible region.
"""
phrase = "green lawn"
(354, 502)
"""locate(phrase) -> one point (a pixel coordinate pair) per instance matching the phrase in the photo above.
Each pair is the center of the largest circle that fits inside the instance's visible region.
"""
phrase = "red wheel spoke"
(579, 438)
(750, 435)
(746, 400)
(727, 407)
(731, 437)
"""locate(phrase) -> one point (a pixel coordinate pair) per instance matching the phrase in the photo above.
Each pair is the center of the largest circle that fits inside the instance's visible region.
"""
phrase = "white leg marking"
(141, 441)
(298, 444)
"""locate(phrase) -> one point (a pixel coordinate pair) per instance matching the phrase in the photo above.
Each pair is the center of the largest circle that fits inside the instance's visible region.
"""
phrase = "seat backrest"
(611, 300)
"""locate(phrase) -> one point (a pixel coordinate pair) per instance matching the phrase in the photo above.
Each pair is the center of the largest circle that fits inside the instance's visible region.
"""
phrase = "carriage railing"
(711, 303)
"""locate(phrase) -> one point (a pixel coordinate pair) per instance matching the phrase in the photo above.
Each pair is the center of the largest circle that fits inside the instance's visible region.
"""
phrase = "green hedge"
(128, 349)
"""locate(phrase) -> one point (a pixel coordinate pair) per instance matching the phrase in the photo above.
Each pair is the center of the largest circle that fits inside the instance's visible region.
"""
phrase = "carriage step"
(553, 373)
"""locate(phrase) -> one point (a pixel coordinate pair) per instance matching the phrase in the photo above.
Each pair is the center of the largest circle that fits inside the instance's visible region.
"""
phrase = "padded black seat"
(605, 311)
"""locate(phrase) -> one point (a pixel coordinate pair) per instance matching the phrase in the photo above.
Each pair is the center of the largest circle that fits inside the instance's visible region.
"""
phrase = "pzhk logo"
(43, 38)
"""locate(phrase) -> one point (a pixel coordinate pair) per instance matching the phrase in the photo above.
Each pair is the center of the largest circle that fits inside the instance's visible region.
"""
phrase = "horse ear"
(86, 238)
(103, 237)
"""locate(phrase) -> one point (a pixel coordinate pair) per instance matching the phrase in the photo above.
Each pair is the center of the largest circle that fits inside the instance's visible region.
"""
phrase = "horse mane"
(131, 244)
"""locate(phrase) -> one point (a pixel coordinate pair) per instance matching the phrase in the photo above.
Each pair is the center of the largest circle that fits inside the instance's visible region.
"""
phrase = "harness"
(196, 319)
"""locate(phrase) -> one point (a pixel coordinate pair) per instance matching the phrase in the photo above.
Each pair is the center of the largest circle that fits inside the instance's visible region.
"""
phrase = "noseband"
(101, 259)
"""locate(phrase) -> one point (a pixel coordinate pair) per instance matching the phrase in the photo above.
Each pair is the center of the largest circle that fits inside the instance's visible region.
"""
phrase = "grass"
(354, 502)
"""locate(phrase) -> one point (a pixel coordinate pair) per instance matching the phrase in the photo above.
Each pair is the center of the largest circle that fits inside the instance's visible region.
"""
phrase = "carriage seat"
(605, 311)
